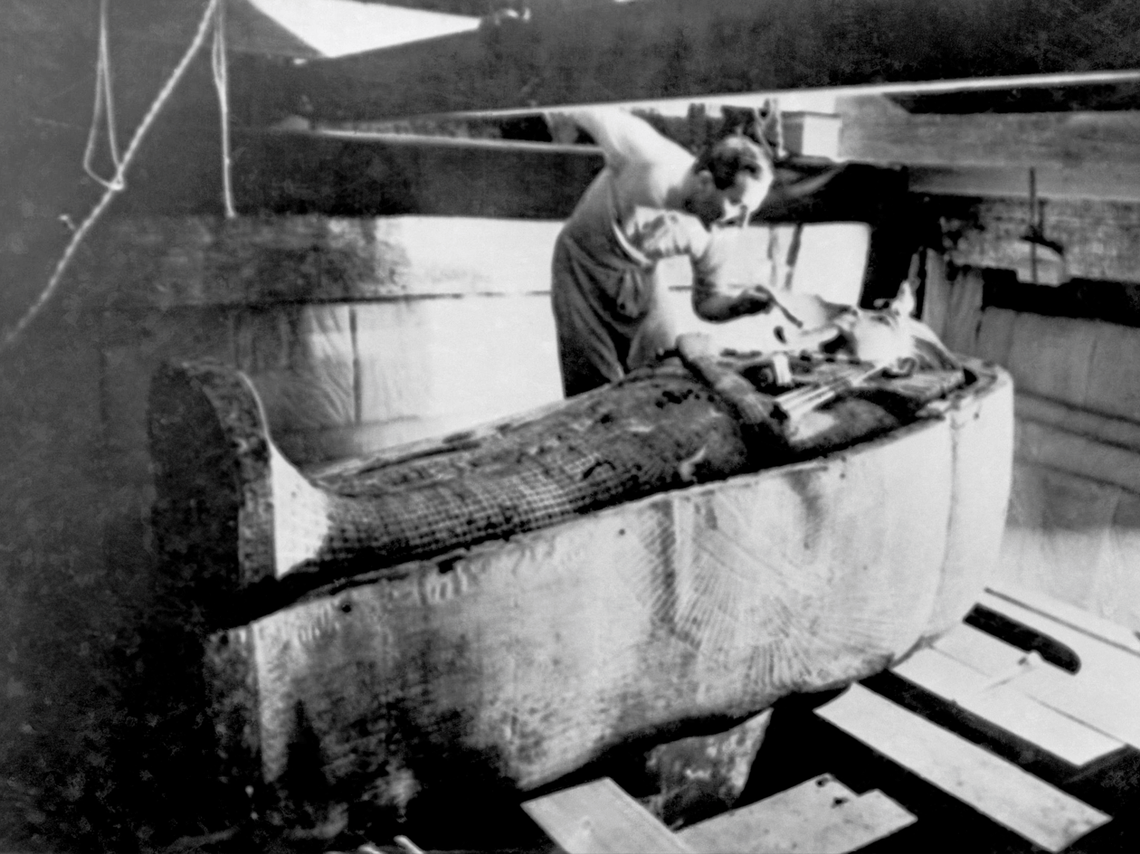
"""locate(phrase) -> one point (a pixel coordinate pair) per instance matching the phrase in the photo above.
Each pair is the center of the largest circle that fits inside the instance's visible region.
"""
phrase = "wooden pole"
(757, 99)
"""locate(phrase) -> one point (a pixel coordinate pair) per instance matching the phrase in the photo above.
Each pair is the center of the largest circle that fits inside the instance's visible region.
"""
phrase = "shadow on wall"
(79, 655)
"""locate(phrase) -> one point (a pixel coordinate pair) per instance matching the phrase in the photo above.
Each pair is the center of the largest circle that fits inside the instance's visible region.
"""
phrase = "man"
(652, 200)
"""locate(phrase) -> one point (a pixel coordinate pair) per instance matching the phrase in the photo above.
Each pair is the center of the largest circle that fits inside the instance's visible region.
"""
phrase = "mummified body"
(693, 418)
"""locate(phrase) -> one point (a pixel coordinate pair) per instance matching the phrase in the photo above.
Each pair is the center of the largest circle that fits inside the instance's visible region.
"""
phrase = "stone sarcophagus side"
(498, 608)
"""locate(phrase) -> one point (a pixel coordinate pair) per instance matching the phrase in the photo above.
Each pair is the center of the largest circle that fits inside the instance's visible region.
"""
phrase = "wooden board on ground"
(1064, 613)
(599, 817)
(819, 815)
(996, 788)
(1006, 707)
(1103, 694)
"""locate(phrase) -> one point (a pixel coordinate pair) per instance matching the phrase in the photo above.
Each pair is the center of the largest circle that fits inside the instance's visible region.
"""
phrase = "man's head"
(733, 175)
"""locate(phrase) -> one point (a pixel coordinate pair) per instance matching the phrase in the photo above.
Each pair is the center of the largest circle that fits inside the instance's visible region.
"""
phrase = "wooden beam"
(819, 815)
(598, 818)
(1077, 155)
(1100, 240)
(998, 789)
(1101, 181)
(680, 105)
(1060, 139)
(393, 137)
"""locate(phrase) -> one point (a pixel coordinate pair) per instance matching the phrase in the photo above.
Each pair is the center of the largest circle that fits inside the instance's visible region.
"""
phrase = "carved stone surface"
(501, 666)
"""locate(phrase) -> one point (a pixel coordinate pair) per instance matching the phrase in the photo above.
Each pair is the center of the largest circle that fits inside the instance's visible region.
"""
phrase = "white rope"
(104, 104)
(221, 83)
(116, 183)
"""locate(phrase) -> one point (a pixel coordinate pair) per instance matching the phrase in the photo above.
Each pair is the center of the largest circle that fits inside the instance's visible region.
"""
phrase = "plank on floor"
(1006, 707)
(600, 818)
(1104, 694)
(983, 652)
(998, 789)
(820, 815)
(1069, 615)
(1099, 658)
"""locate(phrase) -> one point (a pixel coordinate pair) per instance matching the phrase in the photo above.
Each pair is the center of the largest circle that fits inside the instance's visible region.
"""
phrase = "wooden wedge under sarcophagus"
(505, 605)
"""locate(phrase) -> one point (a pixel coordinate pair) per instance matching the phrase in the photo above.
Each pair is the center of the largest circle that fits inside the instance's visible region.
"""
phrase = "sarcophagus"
(661, 555)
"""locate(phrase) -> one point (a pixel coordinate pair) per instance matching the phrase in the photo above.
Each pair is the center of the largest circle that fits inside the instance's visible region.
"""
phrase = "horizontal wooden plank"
(773, 821)
(1071, 616)
(998, 789)
(1093, 425)
(397, 137)
(1061, 139)
(599, 817)
(1104, 694)
(819, 815)
(1006, 707)
(1104, 462)
(1103, 181)
(982, 651)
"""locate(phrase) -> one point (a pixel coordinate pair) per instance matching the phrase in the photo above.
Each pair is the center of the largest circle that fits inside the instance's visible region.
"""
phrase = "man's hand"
(563, 127)
(754, 300)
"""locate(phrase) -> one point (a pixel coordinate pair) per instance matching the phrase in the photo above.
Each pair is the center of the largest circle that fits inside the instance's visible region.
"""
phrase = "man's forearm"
(719, 307)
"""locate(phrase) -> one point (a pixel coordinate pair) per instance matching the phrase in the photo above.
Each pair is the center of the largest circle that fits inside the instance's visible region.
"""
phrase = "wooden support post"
(812, 134)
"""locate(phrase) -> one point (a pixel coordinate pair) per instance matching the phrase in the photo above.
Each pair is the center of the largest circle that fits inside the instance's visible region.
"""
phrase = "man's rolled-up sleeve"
(709, 268)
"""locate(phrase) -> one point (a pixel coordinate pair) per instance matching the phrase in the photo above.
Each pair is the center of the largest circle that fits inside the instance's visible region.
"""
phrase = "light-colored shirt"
(624, 219)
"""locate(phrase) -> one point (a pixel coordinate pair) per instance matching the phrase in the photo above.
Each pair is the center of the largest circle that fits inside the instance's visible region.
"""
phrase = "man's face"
(733, 205)
(743, 198)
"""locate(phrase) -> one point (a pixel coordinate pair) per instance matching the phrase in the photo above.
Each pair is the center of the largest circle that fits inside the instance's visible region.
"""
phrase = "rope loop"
(219, 64)
(104, 105)
(117, 183)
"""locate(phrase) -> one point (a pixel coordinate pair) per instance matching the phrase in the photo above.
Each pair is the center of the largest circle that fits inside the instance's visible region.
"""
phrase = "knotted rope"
(104, 105)
(117, 182)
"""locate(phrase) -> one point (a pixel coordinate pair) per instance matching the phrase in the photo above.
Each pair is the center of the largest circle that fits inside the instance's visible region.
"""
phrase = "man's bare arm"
(719, 307)
(621, 135)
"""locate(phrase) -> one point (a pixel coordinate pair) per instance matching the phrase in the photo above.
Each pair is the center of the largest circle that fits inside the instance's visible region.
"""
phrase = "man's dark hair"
(730, 155)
